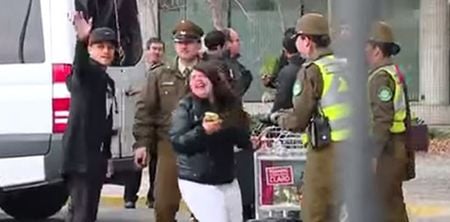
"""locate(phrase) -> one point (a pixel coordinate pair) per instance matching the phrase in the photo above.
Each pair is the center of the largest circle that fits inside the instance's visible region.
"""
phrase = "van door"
(25, 69)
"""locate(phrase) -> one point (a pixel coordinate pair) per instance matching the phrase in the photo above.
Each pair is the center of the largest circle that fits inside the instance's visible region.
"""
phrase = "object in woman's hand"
(211, 117)
(211, 123)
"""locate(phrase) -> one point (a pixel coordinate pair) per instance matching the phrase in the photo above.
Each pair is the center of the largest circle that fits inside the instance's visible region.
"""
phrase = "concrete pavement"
(427, 196)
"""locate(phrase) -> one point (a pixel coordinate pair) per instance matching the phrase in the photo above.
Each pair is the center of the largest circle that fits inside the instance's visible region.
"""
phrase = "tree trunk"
(148, 16)
(218, 13)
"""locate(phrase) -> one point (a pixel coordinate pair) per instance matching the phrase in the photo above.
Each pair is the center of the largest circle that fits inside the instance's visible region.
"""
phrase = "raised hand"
(82, 26)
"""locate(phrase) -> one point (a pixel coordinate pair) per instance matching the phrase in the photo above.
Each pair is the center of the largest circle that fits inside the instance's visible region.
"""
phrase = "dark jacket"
(285, 82)
(86, 141)
(238, 76)
(202, 158)
(242, 76)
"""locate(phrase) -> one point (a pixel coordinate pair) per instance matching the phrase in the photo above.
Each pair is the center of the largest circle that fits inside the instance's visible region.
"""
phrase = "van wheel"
(36, 203)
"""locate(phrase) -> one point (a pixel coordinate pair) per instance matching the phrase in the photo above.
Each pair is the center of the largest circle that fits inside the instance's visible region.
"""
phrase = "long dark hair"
(224, 96)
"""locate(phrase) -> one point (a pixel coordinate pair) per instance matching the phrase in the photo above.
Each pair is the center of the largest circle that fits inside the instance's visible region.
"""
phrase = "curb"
(117, 201)
(414, 210)
(427, 210)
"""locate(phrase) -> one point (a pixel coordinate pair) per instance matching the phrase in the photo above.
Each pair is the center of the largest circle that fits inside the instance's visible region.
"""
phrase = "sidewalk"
(427, 196)
(112, 195)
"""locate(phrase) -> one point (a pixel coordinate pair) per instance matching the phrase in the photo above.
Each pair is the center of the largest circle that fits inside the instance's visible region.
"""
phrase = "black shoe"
(192, 218)
(130, 205)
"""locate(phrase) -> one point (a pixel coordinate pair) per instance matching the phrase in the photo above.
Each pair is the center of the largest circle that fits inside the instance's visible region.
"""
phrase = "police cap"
(187, 31)
(382, 33)
(313, 24)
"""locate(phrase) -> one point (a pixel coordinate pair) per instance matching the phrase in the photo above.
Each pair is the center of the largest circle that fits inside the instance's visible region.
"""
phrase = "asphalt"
(108, 214)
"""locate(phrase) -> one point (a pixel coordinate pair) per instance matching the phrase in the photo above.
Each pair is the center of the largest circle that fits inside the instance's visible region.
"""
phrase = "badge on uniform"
(385, 94)
(297, 89)
(168, 83)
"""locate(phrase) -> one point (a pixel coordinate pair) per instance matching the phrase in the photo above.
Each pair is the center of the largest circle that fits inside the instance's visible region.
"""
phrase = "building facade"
(421, 28)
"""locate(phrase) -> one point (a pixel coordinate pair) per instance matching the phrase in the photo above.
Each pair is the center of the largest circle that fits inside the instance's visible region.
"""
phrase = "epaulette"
(162, 69)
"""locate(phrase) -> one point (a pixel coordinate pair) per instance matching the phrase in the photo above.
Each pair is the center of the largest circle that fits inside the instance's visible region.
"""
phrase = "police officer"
(166, 85)
(388, 105)
(154, 57)
(319, 93)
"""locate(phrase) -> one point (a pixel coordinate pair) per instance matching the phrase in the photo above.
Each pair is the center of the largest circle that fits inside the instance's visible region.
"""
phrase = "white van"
(36, 51)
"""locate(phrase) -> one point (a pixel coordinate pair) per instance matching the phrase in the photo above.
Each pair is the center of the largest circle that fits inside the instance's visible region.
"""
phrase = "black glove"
(274, 117)
(265, 119)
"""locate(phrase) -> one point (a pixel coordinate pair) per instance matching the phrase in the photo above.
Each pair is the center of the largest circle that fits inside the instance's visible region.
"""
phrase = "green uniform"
(319, 80)
(319, 201)
(388, 108)
(166, 85)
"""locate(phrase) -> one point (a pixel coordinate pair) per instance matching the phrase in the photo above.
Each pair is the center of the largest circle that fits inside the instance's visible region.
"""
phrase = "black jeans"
(84, 190)
(133, 183)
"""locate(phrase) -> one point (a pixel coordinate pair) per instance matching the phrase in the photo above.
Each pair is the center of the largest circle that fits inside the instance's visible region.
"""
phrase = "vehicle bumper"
(28, 161)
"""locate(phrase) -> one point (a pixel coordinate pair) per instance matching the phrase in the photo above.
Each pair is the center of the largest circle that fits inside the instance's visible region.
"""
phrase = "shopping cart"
(279, 165)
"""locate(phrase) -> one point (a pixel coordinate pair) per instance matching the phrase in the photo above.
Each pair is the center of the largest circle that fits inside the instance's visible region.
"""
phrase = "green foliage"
(269, 65)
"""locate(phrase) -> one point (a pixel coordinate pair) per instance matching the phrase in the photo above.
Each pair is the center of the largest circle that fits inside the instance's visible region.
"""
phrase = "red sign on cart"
(281, 175)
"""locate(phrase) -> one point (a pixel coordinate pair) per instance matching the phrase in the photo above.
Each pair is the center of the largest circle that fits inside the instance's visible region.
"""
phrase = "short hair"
(227, 33)
(289, 44)
(152, 40)
(290, 32)
(214, 40)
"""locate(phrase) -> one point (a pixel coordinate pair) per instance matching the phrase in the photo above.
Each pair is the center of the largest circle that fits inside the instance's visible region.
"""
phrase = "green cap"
(382, 32)
(313, 24)
(187, 31)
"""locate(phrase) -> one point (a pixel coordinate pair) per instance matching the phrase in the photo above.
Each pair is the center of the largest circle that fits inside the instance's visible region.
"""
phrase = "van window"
(21, 37)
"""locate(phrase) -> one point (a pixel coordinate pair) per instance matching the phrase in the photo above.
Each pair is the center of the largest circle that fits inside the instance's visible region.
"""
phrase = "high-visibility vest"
(334, 101)
(399, 99)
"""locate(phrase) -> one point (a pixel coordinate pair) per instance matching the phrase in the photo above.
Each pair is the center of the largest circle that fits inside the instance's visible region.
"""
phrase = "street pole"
(330, 12)
(355, 156)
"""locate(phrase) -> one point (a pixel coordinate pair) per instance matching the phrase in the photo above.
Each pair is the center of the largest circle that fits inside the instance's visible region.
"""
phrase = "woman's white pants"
(213, 203)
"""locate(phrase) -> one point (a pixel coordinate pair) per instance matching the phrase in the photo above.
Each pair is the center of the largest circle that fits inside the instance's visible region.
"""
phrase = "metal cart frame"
(278, 146)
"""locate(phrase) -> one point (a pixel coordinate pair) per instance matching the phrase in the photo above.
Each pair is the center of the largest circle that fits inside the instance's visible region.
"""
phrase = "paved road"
(427, 196)
(108, 214)
(114, 214)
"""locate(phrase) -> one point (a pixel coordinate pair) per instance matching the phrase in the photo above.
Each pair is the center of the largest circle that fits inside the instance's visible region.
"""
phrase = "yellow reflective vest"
(334, 101)
(399, 99)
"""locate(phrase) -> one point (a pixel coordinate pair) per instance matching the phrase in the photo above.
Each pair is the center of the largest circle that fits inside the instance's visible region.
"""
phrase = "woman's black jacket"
(202, 158)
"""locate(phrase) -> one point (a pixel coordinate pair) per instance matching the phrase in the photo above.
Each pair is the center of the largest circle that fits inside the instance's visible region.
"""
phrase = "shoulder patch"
(385, 94)
(297, 89)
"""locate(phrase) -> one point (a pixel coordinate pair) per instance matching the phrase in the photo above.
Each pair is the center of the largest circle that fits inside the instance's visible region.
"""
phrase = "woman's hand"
(212, 126)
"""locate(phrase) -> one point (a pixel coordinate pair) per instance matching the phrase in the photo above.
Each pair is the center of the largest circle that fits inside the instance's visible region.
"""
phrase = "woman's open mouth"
(200, 85)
